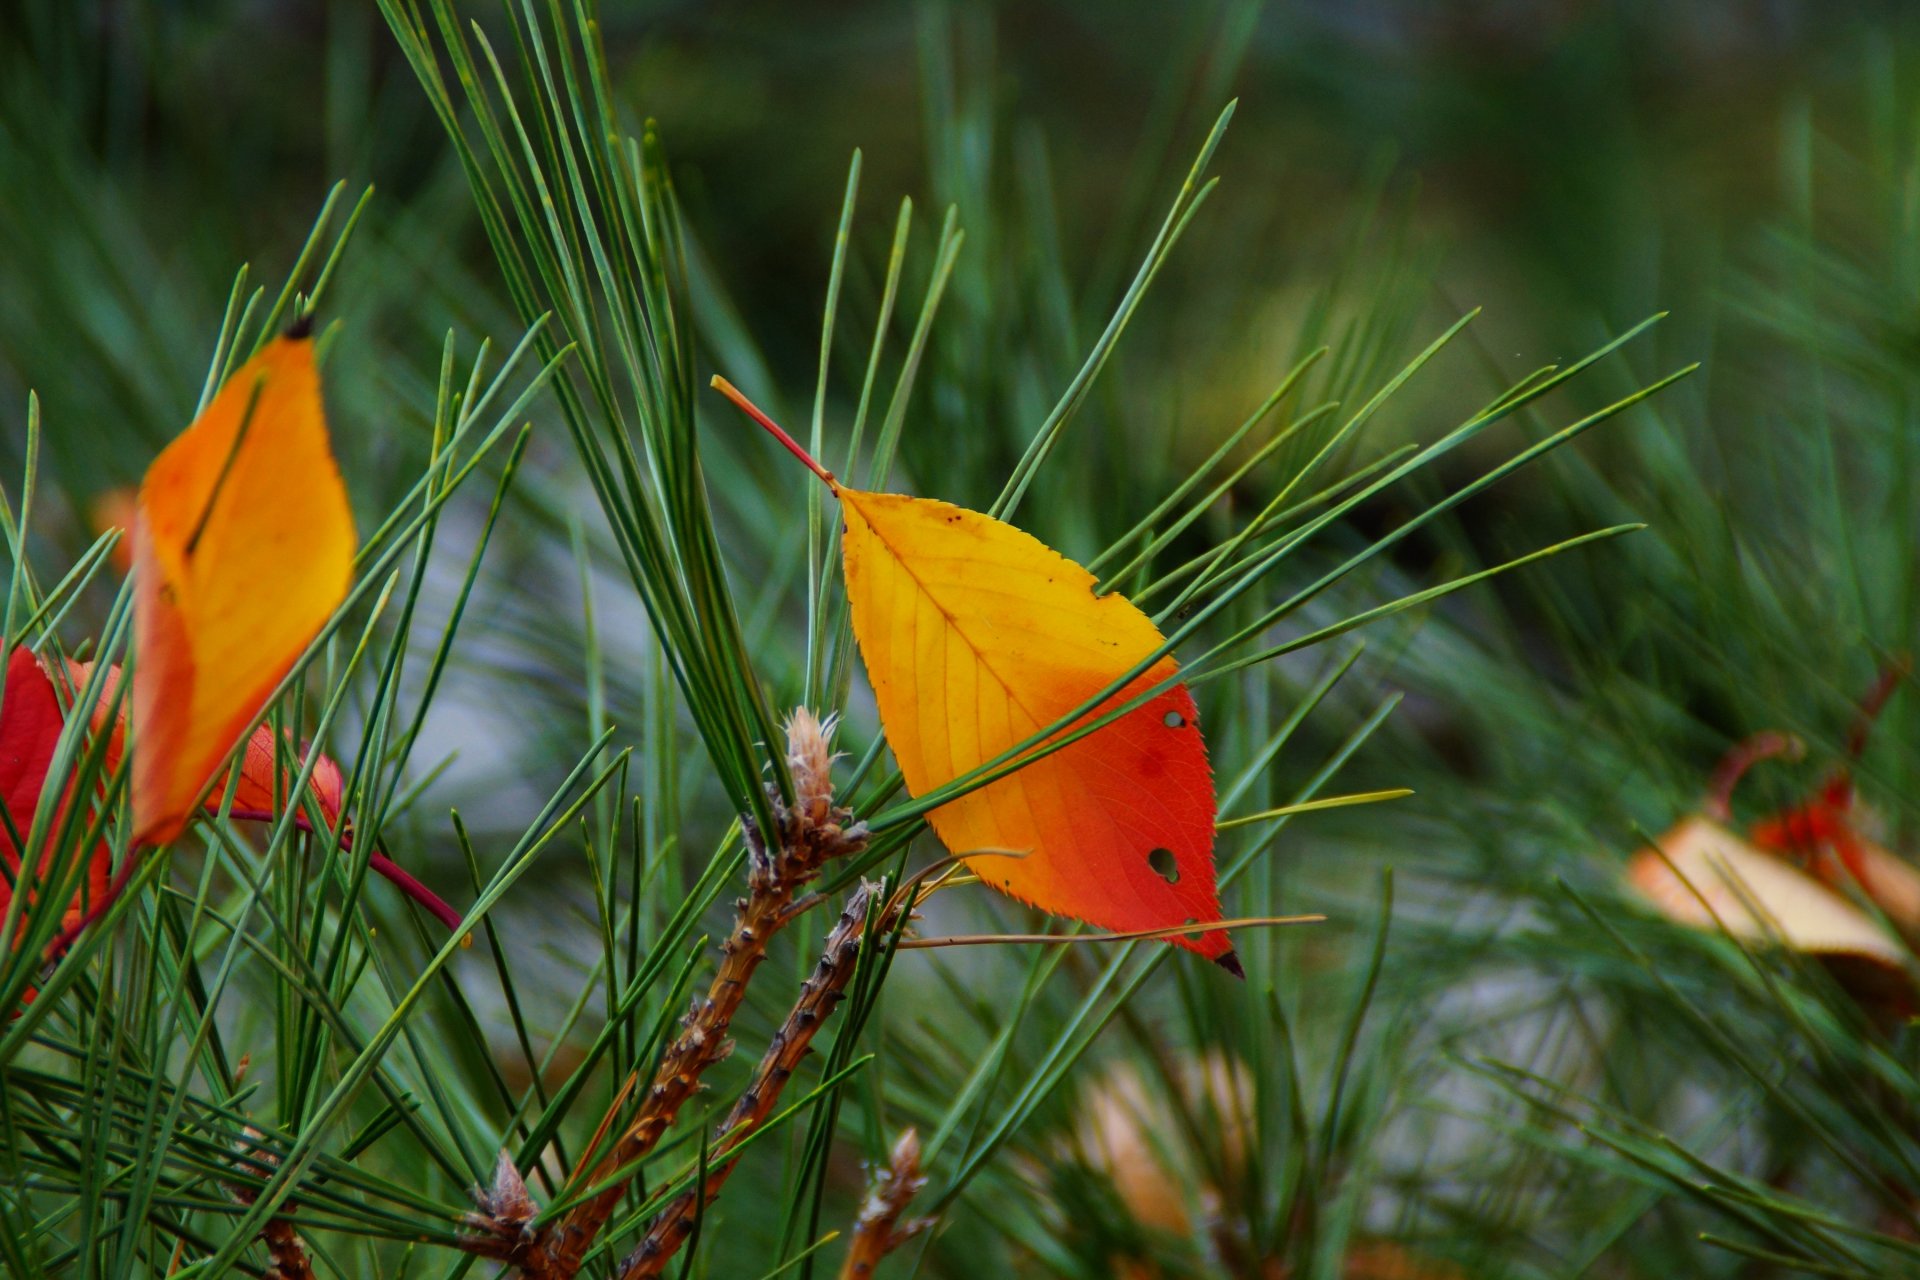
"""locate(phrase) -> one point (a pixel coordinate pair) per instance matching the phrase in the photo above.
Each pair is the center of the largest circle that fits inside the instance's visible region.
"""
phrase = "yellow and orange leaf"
(976, 637)
(243, 547)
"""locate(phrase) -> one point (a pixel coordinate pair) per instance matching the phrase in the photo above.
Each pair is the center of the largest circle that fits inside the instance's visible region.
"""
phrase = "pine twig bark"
(819, 995)
(813, 831)
(287, 1256)
(878, 1230)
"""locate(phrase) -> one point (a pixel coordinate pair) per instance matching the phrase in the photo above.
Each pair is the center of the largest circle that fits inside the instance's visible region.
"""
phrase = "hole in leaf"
(1164, 866)
(1174, 720)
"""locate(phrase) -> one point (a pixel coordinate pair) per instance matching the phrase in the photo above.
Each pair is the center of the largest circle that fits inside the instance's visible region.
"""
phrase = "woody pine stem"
(288, 1255)
(812, 831)
(878, 1230)
(819, 995)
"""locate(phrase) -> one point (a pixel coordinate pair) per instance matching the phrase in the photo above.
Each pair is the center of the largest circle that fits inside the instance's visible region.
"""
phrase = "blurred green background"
(1572, 168)
(1563, 165)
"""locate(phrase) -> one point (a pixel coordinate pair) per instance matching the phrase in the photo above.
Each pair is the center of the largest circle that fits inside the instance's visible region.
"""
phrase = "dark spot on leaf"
(1164, 866)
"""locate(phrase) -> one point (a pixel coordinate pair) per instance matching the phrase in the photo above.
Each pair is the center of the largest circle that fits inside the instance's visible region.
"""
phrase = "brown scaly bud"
(503, 1212)
(810, 758)
(878, 1231)
(810, 832)
(507, 1200)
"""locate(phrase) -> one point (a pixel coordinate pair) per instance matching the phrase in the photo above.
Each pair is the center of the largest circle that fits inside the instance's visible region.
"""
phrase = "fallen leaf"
(1385, 1260)
(976, 636)
(1831, 843)
(1710, 878)
(1831, 833)
(1131, 1134)
(243, 547)
(1178, 1154)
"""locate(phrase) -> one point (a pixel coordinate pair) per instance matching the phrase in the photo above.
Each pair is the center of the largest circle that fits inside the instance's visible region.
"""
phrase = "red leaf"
(257, 788)
(30, 723)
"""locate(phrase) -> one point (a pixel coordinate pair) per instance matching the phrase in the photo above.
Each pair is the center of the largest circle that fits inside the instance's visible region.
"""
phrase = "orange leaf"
(115, 510)
(261, 783)
(1130, 1130)
(243, 548)
(976, 636)
(255, 791)
(257, 787)
(1826, 838)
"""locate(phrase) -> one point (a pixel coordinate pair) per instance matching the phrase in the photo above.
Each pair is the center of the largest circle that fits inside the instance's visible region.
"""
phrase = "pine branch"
(878, 1230)
(284, 1248)
(812, 832)
(288, 1256)
(819, 995)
